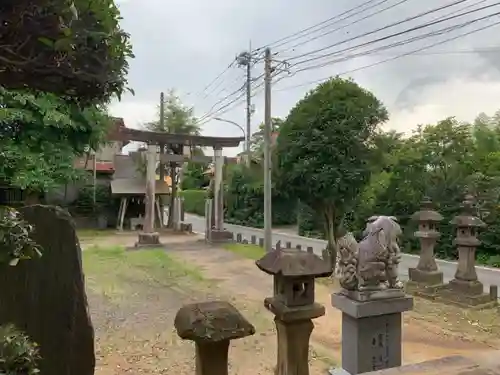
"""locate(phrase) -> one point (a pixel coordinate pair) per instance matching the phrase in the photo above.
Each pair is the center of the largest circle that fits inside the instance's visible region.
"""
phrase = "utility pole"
(162, 150)
(268, 235)
(245, 59)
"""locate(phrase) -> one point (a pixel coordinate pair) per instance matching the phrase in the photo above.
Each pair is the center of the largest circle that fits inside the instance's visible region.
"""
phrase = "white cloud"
(463, 99)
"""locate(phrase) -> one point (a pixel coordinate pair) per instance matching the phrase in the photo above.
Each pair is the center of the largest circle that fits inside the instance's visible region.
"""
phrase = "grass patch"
(92, 233)
(253, 252)
(113, 271)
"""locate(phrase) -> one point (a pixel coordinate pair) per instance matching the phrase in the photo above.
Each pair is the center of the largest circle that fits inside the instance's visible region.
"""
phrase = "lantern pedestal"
(371, 333)
(467, 294)
(424, 283)
(294, 327)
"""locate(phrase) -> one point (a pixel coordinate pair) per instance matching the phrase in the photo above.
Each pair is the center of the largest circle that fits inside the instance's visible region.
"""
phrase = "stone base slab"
(148, 240)
(220, 236)
(364, 309)
(425, 277)
(422, 290)
(449, 294)
(471, 288)
(487, 362)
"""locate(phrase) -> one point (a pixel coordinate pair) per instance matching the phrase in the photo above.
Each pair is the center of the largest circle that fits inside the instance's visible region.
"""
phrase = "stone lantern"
(468, 226)
(293, 304)
(426, 273)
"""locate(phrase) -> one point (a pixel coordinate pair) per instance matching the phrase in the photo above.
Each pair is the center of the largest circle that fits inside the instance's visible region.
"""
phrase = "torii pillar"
(218, 233)
(148, 237)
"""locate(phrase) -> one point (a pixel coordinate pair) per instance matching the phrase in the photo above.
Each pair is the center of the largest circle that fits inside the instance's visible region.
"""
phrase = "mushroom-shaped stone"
(294, 272)
(211, 322)
(211, 325)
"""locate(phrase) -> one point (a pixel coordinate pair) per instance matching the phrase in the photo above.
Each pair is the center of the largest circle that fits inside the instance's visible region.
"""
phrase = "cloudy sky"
(185, 44)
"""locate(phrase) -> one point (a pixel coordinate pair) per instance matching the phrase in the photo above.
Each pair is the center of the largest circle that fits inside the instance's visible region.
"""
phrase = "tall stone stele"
(293, 304)
(426, 274)
(371, 299)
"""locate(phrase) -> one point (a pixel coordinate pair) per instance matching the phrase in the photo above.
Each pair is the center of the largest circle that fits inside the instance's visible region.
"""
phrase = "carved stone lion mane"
(373, 263)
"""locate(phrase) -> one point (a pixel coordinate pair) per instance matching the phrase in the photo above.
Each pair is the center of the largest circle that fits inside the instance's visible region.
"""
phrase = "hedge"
(194, 201)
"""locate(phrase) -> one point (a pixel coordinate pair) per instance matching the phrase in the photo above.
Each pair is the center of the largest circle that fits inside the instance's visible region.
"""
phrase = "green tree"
(40, 137)
(257, 138)
(323, 149)
(178, 119)
(74, 49)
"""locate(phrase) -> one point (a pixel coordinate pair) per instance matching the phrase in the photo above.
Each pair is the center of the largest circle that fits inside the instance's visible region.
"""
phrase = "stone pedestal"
(220, 236)
(371, 332)
(294, 327)
(148, 240)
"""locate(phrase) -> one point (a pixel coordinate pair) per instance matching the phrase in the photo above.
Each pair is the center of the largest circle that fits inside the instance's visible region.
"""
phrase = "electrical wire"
(343, 26)
(307, 29)
(235, 102)
(419, 15)
(419, 27)
(337, 22)
(389, 59)
(396, 44)
(216, 78)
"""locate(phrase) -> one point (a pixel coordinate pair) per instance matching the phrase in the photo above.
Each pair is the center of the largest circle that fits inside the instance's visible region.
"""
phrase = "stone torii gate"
(149, 237)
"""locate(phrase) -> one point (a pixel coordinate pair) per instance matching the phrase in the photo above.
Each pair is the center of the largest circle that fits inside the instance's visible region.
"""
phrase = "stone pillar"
(293, 305)
(371, 332)
(467, 242)
(211, 325)
(177, 213)
(218, 189)
(208, 219)
(149, 237)
(218, 233)
(426, 274)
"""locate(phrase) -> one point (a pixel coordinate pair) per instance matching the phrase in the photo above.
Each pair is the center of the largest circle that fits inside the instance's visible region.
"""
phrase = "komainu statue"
(372, 264)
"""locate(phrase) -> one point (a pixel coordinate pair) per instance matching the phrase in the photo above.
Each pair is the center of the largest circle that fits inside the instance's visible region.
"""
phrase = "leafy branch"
(15, 238)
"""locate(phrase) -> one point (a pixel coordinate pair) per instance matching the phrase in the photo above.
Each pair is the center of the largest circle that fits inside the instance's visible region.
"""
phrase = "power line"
(344, 26)
(235, 102)
(389, 59)
(213, 111)
(314, 26)
(421, 26)
(216, 78)
(396, 44)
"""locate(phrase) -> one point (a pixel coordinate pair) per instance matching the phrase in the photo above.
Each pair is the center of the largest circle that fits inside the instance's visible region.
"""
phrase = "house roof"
(101, 166)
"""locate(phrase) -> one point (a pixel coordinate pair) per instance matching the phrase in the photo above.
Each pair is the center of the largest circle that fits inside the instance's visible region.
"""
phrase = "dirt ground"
(133, 301)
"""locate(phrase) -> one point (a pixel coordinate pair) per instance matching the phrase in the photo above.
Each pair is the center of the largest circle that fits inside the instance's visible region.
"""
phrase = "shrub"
(18, 354)
(245, 201)
(194, 201)
(15, 238)
(309, 222)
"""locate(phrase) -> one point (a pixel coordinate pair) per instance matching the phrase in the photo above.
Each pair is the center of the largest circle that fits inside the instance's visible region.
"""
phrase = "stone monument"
(371, 299)
(293, 304)
(426, 277)
(465, 289)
